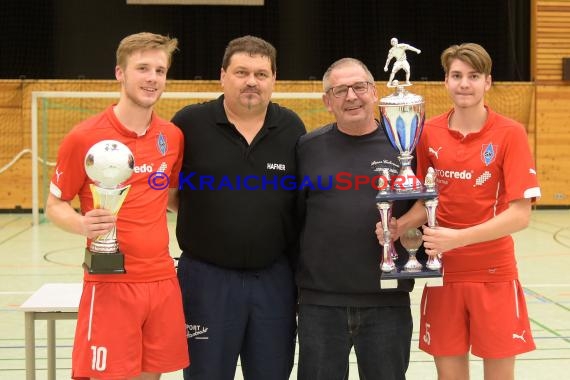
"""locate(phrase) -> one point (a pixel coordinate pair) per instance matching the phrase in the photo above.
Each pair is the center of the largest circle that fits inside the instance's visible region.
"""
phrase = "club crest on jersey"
(161, 144)
(488, 153)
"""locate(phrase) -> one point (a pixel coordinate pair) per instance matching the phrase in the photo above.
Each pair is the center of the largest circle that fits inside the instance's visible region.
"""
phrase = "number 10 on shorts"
(99, 358)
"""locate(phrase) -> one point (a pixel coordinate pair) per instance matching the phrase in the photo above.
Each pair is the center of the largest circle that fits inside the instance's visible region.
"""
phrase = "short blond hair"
(472, 54)
(145, 41)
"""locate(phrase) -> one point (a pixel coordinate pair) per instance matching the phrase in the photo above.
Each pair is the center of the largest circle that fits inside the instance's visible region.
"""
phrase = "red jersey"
(477, 176)
(142, 231)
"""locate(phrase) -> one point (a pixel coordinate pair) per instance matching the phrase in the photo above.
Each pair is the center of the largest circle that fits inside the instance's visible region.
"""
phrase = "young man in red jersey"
(129, 325)
(486, 180)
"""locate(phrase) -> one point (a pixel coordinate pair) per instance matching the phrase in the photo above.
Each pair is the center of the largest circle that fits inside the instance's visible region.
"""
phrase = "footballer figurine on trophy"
(402, 116)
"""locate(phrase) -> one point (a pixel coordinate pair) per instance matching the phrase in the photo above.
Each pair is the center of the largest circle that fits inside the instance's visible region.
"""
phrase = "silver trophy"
(108, 163)
(402, 116)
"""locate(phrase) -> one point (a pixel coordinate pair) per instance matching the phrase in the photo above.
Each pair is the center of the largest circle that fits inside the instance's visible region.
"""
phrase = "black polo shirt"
(237, 200)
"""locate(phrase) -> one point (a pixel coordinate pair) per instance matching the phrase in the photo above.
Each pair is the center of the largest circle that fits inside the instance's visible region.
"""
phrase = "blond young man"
(131, 325)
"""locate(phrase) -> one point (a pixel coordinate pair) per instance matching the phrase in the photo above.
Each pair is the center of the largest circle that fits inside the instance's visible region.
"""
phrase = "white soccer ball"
(109, 163)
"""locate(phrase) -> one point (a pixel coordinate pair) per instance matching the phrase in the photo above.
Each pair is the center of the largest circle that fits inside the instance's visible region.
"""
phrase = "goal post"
(54, 113)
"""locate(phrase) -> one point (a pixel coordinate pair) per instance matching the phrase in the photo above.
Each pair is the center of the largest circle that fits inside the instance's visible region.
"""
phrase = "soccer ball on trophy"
(109, 163)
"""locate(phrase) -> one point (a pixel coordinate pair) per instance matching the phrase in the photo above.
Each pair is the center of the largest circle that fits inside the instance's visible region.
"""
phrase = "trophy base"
(388, 280)
(104, 263)
(405, 195)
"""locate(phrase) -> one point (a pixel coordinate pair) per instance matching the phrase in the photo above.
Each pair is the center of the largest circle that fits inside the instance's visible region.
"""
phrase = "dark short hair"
(252, 46)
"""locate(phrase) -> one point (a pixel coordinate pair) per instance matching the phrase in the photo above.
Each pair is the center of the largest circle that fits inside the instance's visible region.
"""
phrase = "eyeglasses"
(342, 90)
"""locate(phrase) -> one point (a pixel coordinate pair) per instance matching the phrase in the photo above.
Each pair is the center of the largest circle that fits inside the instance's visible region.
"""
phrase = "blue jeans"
(245, 313)
(381, 337)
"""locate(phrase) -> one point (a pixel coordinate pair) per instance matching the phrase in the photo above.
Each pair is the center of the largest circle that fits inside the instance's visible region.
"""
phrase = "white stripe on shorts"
(91, 313)
(425, 302)
(516, 298)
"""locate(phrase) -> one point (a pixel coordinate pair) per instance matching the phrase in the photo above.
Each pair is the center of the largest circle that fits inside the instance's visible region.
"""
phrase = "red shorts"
(124, 329)
(488, 317)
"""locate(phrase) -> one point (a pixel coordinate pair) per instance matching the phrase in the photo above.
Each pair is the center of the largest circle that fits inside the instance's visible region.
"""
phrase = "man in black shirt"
(341, 304)
(236, 222)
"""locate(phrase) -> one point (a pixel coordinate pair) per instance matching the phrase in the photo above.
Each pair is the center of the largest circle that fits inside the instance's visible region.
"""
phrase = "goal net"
(54, 113)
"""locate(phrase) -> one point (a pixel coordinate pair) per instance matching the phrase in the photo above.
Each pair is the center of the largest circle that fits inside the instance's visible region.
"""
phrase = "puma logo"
(521, 337)
(435, 152)
(58, 174)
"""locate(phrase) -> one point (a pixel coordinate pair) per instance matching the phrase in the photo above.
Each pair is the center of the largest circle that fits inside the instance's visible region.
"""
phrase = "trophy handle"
(433, 262)
(387, 264)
